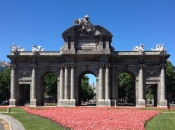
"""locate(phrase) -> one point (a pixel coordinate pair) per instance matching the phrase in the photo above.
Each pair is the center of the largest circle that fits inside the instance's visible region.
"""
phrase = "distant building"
(94, 89)
(3, 65)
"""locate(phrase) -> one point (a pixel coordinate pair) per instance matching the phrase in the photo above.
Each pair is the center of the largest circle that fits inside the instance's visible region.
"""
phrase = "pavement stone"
(14, 124)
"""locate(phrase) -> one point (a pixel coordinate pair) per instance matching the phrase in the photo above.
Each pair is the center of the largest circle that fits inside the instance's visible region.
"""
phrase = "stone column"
(100, 87)
(72, 93)
(12, 101)
(66, 83)
(101, 83)
(33, 87)
(114, 98)
(107, 83)
(60, 102)
(141, 101)
(107, 88)
(61, 82)
(72, 82)
(163, 101)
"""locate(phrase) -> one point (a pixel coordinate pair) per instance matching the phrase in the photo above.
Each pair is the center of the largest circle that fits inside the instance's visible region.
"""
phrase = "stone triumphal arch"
(87, 48)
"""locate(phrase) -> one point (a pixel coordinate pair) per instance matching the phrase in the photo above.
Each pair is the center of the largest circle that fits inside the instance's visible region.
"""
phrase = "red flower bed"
(83, 118)
(2, 107)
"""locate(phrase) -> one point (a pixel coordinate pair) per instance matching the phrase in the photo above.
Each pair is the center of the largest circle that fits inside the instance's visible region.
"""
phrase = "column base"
(107, 102)
(141, 103)
(60, 102)
(72, 103)
(33, 102)
(100, 103)
(113, 102)
(12, 102)
(66, 102)
(162, 103)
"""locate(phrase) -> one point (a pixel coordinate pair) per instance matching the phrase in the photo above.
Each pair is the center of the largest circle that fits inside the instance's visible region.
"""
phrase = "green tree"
(50, 81)
(86, 90)
(170, 77)
(5, 85)
(126, 86)
(149, 92)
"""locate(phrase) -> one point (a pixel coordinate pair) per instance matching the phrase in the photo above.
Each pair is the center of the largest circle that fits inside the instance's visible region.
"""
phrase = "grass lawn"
(164, 121)
(32, 122)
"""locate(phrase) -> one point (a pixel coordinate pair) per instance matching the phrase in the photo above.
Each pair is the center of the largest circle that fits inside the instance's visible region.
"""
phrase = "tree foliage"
(50, 82)
(5, 84)
(170, 77)
(126, 86)
(149, 92)
(86, 90)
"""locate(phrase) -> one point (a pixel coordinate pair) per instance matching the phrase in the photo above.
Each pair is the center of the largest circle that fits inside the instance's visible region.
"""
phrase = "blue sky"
(131, 22)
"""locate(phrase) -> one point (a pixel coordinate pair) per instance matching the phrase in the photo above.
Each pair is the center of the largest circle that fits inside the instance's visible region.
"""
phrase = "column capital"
(66, 65)
(163, 66)
(141, 66)
(101, 65)
(33, 66)
(61, 66)
(12, 66)
(72, 65)
(108, 65)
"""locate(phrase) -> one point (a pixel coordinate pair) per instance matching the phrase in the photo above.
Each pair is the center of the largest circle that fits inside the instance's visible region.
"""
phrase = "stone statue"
(34, 50)
(40, 48)
(37, 50)
(139, 48)
(20, 48)
(14, 49)
(86, 27)
(159, 47)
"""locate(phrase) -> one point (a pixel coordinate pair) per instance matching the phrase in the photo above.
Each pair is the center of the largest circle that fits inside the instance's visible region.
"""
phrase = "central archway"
(86, 89)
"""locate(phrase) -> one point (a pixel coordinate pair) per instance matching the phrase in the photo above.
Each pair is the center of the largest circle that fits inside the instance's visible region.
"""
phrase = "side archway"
(42, 96)
(126, 89)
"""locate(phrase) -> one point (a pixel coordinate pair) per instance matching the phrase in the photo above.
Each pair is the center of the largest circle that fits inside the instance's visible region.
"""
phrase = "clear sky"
(131, 22)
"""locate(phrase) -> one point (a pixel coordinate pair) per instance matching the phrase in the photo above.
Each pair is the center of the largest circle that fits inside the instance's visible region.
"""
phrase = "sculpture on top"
(15, 50)
(86, 27)
(139, 48)
(159, 47)
(20, 48)
(37, 50)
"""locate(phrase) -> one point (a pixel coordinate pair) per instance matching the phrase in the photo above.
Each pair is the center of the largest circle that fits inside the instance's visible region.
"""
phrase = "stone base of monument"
(107, 102)
(12, 102)
(113, 102)
(33, 102)
(72, 103)
(141, 103)
(101, 102)
(60, 102)
(104, 103)
(162, 103)
(66, 102)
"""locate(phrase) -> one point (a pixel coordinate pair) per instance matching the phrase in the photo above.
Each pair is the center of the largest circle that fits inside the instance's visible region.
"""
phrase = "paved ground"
(3, 125)
(9, 123)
